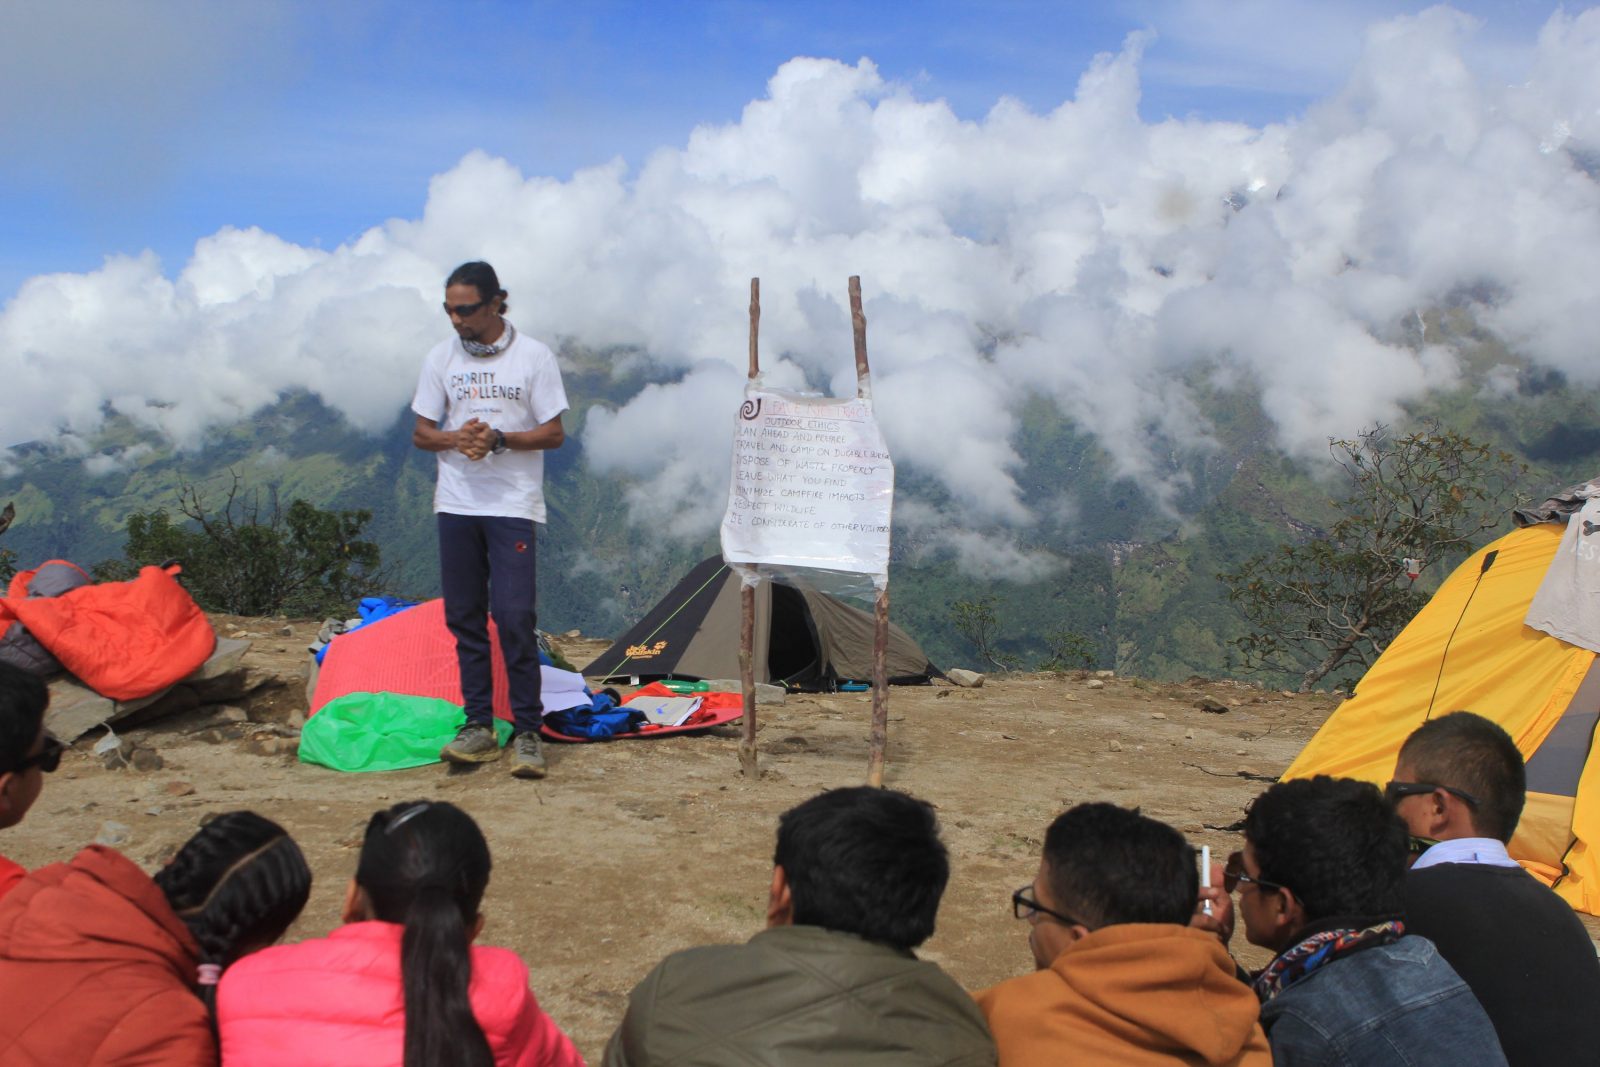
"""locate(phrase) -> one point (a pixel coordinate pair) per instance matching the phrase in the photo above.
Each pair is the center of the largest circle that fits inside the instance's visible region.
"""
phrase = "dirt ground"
(633, 849)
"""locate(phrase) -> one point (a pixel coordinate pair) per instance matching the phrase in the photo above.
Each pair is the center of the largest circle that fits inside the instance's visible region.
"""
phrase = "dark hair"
(237, 885)
(425, 865)
(1472, 754)
(864, 861)
(1335, 843)
(23, 698)
(1108, 865)
(481, 277)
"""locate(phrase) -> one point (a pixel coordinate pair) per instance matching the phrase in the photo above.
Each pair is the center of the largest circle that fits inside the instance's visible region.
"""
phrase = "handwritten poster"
(812, 485)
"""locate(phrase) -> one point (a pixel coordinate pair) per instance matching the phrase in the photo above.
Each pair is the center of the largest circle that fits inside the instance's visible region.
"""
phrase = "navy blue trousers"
(486, 565)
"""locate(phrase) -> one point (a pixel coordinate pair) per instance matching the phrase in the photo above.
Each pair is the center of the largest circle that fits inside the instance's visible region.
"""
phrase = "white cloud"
(1081, 255)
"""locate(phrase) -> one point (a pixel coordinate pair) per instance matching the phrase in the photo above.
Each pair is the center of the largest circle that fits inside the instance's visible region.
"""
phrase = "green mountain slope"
(1135, 579)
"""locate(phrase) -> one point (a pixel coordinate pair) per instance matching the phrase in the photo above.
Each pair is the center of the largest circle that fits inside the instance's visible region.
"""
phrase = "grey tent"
(803, 638)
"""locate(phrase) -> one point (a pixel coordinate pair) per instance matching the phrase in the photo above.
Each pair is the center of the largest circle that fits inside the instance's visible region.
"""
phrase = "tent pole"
(880, 613)
(747, 593)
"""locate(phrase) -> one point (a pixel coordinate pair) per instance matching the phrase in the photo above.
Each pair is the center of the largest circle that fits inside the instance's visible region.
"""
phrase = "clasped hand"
(475, 439)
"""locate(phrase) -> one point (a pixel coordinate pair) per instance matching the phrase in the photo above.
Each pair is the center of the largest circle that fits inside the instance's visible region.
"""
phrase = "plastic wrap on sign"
(812, 485)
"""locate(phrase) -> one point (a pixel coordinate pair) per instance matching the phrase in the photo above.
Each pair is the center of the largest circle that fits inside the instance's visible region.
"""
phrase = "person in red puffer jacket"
(103, 966)
(400, 984)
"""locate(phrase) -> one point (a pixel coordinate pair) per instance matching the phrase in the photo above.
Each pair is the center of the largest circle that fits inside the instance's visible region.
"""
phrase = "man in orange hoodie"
(27, 754)
(1121, 977)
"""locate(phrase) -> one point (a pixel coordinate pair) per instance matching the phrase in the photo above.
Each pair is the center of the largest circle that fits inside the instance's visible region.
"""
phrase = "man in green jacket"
(856, 882)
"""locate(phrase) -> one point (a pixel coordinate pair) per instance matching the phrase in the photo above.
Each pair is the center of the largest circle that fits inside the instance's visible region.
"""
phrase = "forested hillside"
(1136, 579)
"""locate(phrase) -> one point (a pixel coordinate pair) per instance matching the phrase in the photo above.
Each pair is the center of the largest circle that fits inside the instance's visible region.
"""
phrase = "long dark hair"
(425, 865)
(482, 277)
(237, 885)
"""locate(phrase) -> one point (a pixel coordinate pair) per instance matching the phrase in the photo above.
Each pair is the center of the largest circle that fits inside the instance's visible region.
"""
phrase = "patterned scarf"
(478, 348)
(1294, 963)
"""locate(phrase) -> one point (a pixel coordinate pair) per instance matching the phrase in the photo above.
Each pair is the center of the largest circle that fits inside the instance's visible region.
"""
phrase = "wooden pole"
(880, 613)
(747, 593)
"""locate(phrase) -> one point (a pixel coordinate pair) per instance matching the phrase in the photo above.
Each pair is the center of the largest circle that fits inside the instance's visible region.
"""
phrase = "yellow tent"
(1469, 650)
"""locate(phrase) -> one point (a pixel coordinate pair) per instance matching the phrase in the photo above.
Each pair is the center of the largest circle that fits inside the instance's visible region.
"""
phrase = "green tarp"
(383, 732)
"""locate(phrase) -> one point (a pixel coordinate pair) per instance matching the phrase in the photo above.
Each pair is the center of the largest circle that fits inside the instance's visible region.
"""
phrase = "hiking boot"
(474, 743)
(527, 756)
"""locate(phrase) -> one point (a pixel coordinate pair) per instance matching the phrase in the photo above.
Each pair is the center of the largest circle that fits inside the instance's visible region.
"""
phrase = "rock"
(117, 755)
(286, 631)
(178, 789)
(297, 718)
(965, 678)
(573, 633)
(231, 713)
(1211, 705)
(1241, 752)
(1247, 772)
(147, 759)
(1094, 683)
(1158, 715)
(1115, 745)
(273, 746)
(113, 834)
(1188, 735)
(1105, 674)
(153, 811)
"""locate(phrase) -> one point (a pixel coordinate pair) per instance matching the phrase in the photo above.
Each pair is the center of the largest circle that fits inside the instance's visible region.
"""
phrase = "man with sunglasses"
(1321, 884)
(27, 754)
(1460, 783)
(1121, 977)
(489, 404)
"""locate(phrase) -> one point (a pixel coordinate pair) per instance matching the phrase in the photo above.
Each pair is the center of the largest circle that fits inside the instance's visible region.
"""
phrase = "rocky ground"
(633, 849)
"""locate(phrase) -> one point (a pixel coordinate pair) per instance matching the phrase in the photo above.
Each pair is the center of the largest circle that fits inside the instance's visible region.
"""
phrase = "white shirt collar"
(1485, 850)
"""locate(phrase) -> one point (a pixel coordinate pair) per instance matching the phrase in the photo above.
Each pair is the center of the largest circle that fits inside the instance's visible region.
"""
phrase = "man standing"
(489, 402)
(1461, 782)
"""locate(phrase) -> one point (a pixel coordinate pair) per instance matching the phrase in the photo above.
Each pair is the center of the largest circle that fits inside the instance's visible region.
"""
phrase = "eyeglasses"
(1025, 907)
(464, 311)
(1233, 874)
(47, 759)
(1397, 791)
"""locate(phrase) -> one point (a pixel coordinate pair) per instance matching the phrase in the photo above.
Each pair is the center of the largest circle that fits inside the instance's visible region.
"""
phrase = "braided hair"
(425, 865)
(237, 885)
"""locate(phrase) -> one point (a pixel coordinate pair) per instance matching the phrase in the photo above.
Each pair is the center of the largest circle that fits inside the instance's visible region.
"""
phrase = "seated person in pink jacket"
(400, 984)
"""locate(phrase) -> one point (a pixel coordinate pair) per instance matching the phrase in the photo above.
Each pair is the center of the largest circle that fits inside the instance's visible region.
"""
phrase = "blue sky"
(129, 126)
(1007, 179)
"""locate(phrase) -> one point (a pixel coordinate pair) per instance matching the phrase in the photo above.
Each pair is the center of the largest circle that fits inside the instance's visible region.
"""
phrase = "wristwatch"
(499, 445)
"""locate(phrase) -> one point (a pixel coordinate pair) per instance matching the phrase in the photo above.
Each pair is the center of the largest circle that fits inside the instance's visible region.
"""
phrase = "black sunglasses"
(1233, 874)
(464, 311)
(1397, 791)
(1025, 907)
(47, 759)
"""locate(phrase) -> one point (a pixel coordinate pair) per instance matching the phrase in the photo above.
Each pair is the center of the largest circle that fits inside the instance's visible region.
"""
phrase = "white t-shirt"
(519, 389)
